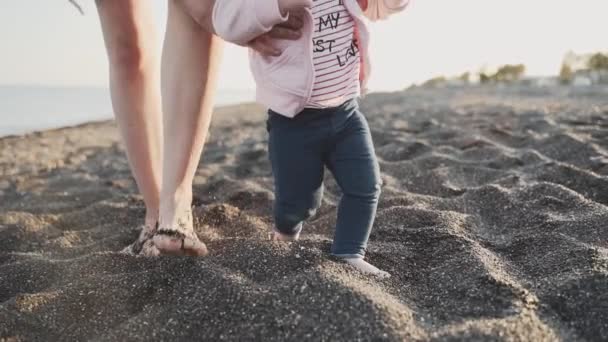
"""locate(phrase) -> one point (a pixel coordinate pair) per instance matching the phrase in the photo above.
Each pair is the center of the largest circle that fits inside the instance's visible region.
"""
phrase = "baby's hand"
(289, 5)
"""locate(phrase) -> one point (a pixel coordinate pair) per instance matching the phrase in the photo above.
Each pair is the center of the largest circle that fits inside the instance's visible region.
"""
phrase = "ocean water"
(25, 109)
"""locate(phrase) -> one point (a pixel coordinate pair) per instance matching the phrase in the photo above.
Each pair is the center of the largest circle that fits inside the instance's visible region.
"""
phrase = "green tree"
(465, 77)
(566, 74)
(509, 73)
(435, 81)
(597, 62)
(484, 78)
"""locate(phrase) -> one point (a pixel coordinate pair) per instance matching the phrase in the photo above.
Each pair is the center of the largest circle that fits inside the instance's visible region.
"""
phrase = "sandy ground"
(493, 221)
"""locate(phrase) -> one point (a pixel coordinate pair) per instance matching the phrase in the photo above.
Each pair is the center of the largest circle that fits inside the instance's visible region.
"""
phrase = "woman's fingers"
(279, 32)
(289, 5)
(295, 20)
(264, 46)
(290, 30)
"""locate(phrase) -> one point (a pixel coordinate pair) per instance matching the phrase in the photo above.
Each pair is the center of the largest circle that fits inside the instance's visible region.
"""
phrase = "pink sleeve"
(381, 9)
(240, 21)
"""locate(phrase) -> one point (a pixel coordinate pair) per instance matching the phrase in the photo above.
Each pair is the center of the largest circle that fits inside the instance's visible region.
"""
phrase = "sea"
(26, 109)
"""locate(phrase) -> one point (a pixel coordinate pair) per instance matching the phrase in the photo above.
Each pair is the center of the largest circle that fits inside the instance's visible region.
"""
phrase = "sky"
(46, 42)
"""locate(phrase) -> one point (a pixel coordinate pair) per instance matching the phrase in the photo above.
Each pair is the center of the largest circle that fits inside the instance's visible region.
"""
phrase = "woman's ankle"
(151, 218)
(175, 207)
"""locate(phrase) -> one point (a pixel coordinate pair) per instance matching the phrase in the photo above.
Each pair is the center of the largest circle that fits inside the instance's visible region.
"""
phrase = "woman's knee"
(127, 57)
(128, 35)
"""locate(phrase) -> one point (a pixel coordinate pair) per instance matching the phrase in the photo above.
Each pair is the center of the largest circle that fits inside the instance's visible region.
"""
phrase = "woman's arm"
(242, 21)
(248, 22)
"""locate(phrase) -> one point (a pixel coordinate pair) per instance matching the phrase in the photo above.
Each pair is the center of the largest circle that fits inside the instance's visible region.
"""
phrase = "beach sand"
(493, 222)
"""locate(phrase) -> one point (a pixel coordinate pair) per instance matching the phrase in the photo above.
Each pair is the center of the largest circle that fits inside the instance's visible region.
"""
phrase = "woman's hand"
(202, 11)
(291, 30)
(286, 6)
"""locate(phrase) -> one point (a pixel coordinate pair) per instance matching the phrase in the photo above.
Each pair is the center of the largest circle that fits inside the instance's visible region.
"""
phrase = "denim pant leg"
(353, 162)
(295, 148)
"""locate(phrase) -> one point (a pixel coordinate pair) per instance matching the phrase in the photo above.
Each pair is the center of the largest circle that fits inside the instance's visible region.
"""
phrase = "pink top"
(286, 83)
(335, 55)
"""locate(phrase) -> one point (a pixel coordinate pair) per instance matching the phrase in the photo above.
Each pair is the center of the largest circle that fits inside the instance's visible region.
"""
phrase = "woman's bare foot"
(147, 232)
(365, 267)
(173, 242)
(148, 249)
(179, 238)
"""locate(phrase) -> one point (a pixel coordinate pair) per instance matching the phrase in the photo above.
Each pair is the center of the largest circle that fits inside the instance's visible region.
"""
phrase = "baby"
(311, 90)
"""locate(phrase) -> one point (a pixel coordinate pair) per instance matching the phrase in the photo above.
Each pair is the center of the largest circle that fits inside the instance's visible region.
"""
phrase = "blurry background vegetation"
(576, 69)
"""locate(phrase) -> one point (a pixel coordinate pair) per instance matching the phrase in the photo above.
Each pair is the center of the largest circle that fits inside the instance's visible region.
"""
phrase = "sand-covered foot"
(365, 267)
(174, 241)
(178, 237)
(146, 234)
(278, 236)
(149, 249)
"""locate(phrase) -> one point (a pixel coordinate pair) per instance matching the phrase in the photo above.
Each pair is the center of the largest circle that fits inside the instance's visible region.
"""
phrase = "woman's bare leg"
(129, 35)
(190, 66)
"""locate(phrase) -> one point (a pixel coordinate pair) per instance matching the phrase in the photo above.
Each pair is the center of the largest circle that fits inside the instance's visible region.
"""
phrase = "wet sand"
(493, 221)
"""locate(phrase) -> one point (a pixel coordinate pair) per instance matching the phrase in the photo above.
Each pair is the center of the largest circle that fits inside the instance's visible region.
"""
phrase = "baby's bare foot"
(365, 267)
(278, 236)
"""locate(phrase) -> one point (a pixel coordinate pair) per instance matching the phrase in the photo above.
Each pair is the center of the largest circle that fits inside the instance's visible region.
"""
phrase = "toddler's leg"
(295, 149)
(353, 162)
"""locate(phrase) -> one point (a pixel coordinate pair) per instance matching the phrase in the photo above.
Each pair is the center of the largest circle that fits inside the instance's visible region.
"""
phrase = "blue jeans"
(339, 139)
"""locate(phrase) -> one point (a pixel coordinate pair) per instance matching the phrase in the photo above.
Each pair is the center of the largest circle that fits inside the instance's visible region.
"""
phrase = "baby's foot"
(278, 236)
(365, 267)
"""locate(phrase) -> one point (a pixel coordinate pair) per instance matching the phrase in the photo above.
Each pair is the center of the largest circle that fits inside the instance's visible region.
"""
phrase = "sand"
(493, 221)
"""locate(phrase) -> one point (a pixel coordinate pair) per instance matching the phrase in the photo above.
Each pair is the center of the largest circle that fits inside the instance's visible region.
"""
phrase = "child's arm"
(381, 9)
(240, 21)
